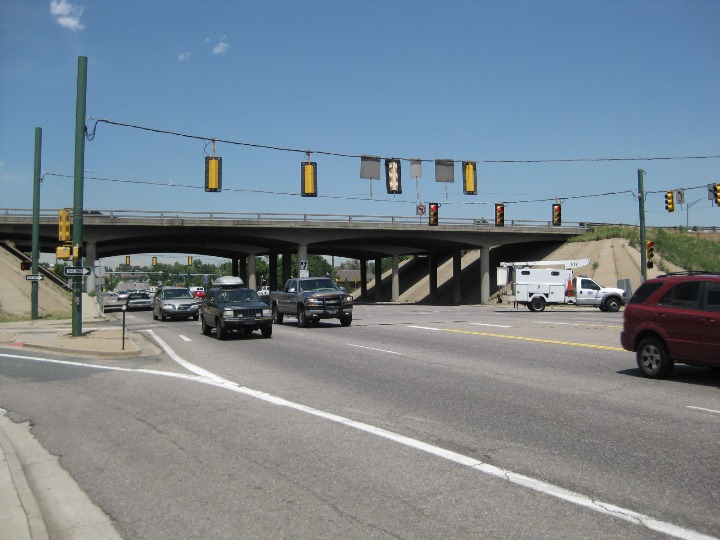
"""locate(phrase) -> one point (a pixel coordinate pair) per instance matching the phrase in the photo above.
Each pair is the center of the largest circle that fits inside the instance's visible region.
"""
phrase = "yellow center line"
(522, 338)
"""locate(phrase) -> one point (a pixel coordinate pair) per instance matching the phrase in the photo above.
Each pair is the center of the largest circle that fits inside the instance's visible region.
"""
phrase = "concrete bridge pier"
(252, 277)
(90, 258)
(395, 278)
(484, 274)
(378, 279)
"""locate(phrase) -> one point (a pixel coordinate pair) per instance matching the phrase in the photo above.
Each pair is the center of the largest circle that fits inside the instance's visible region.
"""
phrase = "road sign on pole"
(76, 271)
(34, 277)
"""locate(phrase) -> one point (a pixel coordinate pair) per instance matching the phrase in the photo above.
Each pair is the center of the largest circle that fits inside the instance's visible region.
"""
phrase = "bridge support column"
(457, 277)
(378, 279)
(363, 279)
(252, 279)
(432, 277)
(243, 268)
(272, 268)
(286, 266)
(484, 275)
(395, 279)
(235, 271)
(302, 256)
(90, 258)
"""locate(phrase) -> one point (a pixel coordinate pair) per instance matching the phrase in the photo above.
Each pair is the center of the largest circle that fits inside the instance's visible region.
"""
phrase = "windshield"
(180, 294)
(317, 284)
(238, 295)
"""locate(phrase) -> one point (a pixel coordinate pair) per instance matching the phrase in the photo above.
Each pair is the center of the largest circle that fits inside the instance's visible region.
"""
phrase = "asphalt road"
(414, 422)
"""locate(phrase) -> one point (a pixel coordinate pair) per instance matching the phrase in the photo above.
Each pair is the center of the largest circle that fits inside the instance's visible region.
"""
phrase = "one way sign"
(76, 271)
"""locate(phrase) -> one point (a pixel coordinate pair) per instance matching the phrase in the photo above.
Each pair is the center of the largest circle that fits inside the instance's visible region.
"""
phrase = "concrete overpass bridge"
(242, 236)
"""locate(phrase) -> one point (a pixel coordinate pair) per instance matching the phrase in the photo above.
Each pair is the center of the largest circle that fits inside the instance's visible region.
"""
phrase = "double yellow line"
(522, 338)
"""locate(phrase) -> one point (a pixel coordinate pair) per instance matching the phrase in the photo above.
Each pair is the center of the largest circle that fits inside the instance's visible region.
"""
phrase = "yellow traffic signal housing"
(76, 252)
(433, 214)
(650, 252)
(62, 252)
(557, 215)
(669, 201)
(308, 179)
(393, 180)
(469, 178)
(213, 173)
(716, 193)
(154, 261)
(499, 215)
(127, 260)
(189, 261)
(64, 225)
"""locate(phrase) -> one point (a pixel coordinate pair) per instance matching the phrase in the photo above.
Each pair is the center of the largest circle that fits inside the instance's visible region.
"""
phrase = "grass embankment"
(689, 250)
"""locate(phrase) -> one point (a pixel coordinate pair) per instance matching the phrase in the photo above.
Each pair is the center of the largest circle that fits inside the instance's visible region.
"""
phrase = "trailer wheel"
(537, 303)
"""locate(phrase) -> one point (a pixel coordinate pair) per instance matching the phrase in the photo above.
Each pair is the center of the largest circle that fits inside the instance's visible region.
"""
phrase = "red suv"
(674, 318)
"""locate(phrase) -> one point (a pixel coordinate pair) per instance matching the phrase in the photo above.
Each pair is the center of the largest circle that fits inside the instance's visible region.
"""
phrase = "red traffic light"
(25, 265)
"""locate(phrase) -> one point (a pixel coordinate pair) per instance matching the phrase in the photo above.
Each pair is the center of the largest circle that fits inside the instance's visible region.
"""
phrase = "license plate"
(332, 311)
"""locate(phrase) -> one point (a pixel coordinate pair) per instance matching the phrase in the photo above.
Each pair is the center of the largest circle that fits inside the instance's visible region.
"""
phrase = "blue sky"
(484, 81)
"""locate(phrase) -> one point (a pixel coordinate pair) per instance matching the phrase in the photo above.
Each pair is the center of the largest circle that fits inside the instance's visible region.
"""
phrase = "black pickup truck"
(310, 300)
(228, 306)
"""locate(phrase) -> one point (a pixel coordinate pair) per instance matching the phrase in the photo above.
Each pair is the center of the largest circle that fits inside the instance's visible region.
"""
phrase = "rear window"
(712, 300)
(644, 292)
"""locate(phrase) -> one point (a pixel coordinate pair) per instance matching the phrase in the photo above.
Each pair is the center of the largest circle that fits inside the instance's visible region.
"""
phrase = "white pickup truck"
(537, 287)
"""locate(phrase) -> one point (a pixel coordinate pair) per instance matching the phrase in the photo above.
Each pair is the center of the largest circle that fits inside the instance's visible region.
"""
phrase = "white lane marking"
(206, 377)
(425, 328)
(185, 338)
(493, 325)
(589, 323)
(702, 409)
(373, 349)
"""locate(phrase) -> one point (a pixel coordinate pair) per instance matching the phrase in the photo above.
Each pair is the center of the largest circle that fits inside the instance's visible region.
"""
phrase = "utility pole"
(641, 202)
(35, 285)
(77, 229)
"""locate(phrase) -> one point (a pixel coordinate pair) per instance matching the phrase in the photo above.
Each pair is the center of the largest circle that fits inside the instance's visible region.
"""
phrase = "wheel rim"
(650, 358)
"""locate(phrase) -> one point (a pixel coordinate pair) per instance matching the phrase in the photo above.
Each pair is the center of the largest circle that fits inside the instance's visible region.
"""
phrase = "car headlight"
(169, 306)
(267, 312)
(228, 313)
(313, 301)
(347, 298)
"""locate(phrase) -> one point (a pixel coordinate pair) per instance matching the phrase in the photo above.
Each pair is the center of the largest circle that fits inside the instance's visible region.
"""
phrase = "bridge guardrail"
(277, 216)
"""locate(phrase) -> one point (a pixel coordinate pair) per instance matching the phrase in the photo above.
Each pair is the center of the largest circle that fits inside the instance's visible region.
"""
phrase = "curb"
(25, 520)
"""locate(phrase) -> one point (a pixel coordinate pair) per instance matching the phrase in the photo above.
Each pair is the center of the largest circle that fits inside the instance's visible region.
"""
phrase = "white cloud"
(67, 14)
(221, 48)
(184, 56)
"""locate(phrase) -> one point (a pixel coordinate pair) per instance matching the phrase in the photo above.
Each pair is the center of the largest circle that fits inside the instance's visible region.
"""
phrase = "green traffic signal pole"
(77, 229)
(35, 285)
(641, 202)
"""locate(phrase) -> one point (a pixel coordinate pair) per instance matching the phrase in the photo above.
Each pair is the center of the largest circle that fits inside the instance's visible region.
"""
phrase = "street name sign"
(76, 271)
(34, 277)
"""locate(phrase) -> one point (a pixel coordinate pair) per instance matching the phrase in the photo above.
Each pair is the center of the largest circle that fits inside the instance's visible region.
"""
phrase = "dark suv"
(228, 306)
(674, 318)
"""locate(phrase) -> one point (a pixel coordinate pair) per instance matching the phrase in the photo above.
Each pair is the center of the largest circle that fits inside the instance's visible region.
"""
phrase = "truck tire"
(266, 331)
(220, 332)
(537, 303)
(301, 317)
(612, 304)
(653, 358)
(346, 320)
(277, 316)
(204, 326)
